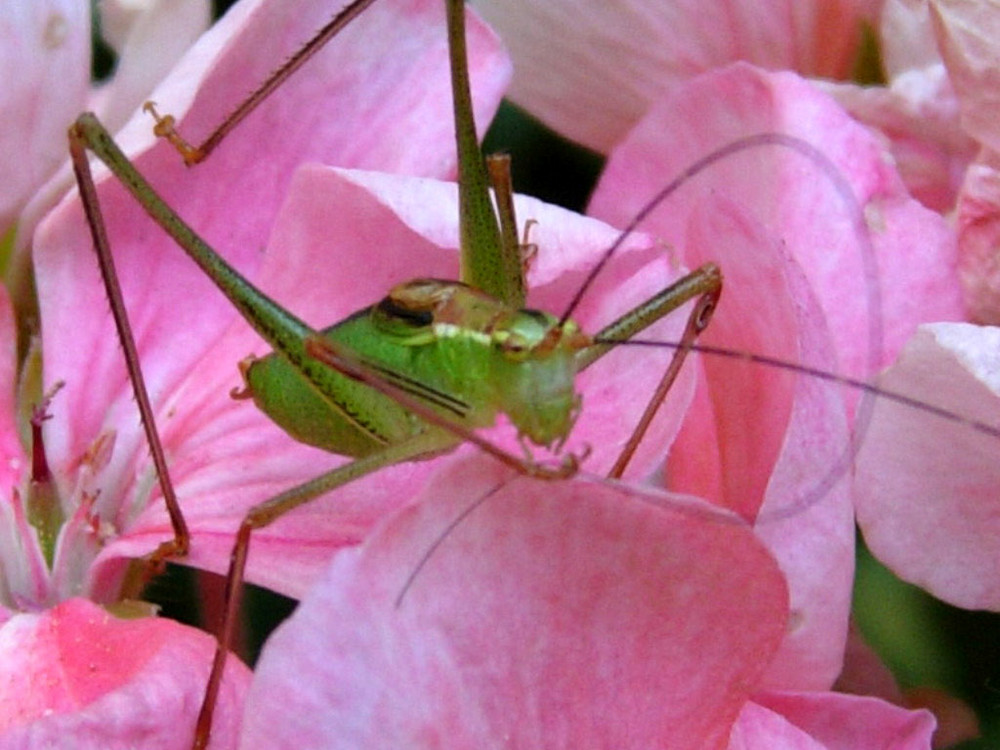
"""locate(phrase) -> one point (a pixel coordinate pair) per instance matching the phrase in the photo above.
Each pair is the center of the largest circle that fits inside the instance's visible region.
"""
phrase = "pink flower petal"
(914, 248)
(779, 440)
(553, 615)
(563, 52)
(966, 34)
(907, 37)
(978, 235)
(46, 49)
(844, 722)
(12, 457)
(927, 497)
(918, 113)
(226, 456)
(759, 728)
(77, 672)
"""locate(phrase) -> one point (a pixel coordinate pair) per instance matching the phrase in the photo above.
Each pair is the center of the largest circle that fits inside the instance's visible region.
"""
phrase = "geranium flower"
(800, 289)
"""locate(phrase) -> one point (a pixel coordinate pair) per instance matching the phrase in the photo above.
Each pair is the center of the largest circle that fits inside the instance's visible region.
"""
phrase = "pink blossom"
(191, 350)
(224, 455)
(74, 670)
(560, 544)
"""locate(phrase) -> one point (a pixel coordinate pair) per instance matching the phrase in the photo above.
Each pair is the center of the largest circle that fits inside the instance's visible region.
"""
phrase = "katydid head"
(537, 369)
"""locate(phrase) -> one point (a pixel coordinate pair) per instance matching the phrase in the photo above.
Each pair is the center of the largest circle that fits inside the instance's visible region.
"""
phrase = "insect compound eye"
(415, 317)
(513, 345)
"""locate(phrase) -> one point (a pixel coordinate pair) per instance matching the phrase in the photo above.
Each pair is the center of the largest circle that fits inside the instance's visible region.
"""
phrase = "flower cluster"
(702, 602)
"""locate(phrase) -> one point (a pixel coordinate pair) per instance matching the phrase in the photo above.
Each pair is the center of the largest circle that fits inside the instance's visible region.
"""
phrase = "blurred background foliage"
(924, 642)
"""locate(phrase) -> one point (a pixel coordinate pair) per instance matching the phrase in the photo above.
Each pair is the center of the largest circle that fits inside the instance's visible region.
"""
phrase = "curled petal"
(966, 33)
(829, 721)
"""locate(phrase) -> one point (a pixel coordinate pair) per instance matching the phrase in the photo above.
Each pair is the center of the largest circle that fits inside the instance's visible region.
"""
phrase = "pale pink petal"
(918, 113)
(851, 722)
(373, 98)
(967, 33)
(759, 728)
(12, 458)
(978, 235)
(45, 69)
(829, 721)
(553, 615)
(77, 672)
(928, 502)
(915, 250)
(149, 39)
(21, 561)
(226, 456)
(906, 33)
(591, 70)
(772, 445)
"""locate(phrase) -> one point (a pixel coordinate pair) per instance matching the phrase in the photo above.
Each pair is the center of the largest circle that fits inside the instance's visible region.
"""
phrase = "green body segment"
(464, 354)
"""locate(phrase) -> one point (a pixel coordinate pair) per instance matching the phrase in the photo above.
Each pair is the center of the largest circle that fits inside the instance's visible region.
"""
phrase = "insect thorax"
(459, 351)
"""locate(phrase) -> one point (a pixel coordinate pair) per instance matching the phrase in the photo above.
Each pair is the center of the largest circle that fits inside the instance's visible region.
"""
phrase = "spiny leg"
(178, 546)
